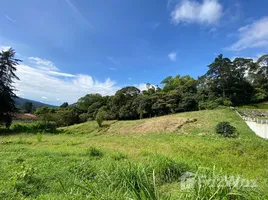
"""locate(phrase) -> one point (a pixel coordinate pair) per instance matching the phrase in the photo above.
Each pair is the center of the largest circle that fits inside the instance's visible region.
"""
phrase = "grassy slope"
(194, 143)
(263, 105)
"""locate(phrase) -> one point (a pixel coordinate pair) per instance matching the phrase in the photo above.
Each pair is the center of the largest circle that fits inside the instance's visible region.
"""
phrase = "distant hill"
(20, 101)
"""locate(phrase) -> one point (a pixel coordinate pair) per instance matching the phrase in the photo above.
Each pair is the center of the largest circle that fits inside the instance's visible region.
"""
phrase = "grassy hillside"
(142, 159)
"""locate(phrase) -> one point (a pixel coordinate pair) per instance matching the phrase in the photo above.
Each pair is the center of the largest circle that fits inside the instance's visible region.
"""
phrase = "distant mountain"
(20, 102)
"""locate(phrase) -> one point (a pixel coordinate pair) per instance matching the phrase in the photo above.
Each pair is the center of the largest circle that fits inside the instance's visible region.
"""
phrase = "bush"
(84, 117)
(216, 103)
(100, 117)
(35, 127)
(226, 130)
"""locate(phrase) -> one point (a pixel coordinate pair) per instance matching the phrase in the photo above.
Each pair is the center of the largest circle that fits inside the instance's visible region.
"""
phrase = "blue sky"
(73, 47)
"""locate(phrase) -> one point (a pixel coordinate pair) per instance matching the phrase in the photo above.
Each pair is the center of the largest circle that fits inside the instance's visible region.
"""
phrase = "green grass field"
(141, 159)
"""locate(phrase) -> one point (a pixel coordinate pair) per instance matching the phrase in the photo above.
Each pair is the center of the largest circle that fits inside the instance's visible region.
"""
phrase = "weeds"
(119, 156)
(94, 152)
(39, 137)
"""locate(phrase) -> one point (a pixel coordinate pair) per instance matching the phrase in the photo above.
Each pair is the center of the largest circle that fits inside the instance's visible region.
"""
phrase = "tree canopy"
(8, 64)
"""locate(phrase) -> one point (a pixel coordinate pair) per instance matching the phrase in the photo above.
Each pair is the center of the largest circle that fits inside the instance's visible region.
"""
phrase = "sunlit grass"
(141, 165)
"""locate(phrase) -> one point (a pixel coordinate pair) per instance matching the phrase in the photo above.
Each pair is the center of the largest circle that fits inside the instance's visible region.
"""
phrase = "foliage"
(64, 105)
(119, 156)
(34, 127)
(94, 152)
(225, 129)
(39, 137)
(28, 107)
(8, 64)
(100, 117)
(155, 166)
(226, 83)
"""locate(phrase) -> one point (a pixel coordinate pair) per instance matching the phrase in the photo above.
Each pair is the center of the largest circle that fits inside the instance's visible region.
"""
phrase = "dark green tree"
(8, 64)
(27, 107)
(64, 105)
(85, 102)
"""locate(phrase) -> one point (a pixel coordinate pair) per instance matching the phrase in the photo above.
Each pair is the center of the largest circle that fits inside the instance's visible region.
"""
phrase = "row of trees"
(226, 83)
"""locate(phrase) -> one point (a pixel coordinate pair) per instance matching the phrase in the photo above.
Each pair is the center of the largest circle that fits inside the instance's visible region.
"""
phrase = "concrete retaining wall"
(260, 129)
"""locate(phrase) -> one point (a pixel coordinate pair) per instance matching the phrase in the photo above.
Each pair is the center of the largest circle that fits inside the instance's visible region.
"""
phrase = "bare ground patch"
(153, 125)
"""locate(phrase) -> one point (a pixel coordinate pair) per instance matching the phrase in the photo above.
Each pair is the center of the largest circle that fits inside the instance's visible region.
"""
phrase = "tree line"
(226, 83)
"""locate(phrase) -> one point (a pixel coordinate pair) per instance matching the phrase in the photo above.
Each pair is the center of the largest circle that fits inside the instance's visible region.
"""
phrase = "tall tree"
(64, 105)
(28, 107)
(8, 64)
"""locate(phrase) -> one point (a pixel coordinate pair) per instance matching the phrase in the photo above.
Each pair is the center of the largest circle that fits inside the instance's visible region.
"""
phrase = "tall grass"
(144, 182)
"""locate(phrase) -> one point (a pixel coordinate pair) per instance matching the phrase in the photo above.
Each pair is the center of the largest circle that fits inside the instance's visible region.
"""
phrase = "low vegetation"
(226, 130)
(106, 149)
(86, 161)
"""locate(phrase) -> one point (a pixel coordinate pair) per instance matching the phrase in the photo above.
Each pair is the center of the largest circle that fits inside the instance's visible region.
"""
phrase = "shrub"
(84, 117)
(100, 117)
(35, 127)
(216, 103)
(226, 130)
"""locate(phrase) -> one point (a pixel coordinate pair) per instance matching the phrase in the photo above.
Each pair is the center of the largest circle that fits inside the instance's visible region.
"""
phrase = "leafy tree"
(142, 105)
(227, 79)
(8, 64)
(28, 107)
(46, 114)
(64, 105)
(85, 102)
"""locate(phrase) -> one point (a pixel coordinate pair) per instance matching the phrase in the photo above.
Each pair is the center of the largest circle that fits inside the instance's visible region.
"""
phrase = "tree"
(228, 80)
(28, 107)
(64, 105)
(8, 64)
(100, 116)
(46, 114)
(85, 102)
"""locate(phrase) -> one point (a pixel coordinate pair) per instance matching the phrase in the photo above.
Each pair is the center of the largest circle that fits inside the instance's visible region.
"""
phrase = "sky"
(71, 48)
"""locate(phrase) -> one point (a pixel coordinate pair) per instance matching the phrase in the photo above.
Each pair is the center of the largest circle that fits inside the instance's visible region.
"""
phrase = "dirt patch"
(155, 125)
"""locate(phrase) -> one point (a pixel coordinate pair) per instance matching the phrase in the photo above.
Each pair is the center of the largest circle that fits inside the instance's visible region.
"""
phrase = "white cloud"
(12, 20)
(191, 11)
(43, 63)
(252, 36)
(173, 56)
(39, 84)
(4, 48)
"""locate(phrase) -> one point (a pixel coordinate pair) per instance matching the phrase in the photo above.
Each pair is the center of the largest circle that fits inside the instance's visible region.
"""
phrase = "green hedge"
(35, 127)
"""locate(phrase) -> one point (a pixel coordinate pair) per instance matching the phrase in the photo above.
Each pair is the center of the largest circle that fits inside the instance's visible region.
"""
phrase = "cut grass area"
(88, 162)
